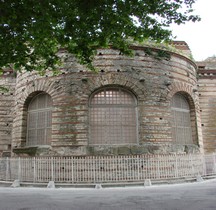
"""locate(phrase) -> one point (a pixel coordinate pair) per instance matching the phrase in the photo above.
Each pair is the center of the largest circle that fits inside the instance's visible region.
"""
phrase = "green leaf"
(32, 34)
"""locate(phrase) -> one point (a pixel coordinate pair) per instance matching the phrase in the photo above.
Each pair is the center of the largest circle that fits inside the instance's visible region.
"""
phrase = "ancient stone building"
(207, 98)
(132, 105)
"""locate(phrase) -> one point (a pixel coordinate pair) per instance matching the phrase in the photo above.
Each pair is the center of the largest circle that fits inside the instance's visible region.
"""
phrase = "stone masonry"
(153, 81)
(207, 97)
(7, 80)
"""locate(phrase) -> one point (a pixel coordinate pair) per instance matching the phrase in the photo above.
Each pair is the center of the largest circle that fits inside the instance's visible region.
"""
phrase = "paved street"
(192, 196)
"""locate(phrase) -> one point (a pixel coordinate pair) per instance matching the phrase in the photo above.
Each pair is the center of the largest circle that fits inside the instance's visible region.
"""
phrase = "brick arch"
(178, 87)
(40, 85)
(187, 92)
(123, 88)
(189, 99)
(39, 109)
(117, 79)
(103, 116)
(24, 110)
(29, 98)
(24, 95)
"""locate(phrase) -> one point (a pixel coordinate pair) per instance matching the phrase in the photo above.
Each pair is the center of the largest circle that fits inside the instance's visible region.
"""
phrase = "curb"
(107, 185)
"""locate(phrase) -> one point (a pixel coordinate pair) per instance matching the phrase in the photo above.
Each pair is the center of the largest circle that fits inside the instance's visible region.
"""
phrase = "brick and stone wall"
(7, 82)
(152, 81)
(207, 97)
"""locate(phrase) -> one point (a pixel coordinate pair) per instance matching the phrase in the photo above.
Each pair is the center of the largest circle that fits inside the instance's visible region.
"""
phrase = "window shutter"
(39, 120)
(181, 125)
(113, 117)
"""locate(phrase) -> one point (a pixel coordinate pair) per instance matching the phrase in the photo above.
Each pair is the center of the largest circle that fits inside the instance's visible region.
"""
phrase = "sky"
(200, 36)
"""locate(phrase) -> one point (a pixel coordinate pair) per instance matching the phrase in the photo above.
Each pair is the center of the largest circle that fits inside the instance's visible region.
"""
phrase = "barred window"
(39, 120)
(113, 117)
(181, 126)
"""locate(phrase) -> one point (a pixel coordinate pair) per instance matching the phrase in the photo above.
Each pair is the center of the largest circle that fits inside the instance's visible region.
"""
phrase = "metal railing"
(106, 169)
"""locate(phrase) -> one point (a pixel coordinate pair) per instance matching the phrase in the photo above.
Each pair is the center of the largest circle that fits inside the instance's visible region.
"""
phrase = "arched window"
(113, 117)
(181, 126)
(39, 120)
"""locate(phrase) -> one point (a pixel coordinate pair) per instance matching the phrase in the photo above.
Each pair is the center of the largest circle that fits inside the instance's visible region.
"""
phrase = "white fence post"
(7, 168)
(34, 170)
(107, 168)
(204, 164)
(158, 167)
(138, 167)
(176, 166)
(72, 170)
(192, 166)
(19, 169)
(94, 169)
(52, 169)
(214, 163)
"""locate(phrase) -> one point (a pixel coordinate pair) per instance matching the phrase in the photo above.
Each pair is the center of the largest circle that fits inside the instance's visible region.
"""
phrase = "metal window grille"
(39, 120)
(113, 117)
(181, 126)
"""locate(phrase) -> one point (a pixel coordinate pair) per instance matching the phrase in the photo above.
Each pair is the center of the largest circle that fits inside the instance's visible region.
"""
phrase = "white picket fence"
(106, 169)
